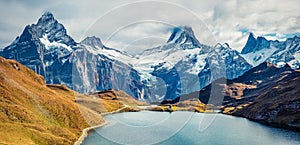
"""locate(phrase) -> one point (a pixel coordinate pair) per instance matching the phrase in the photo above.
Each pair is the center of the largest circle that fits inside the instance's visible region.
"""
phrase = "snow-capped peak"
(48, 25)
(183, 34)
(255, 44)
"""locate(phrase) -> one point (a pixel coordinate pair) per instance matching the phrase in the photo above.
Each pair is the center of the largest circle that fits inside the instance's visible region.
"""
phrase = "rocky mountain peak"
(251, 36)
(251, 42)
(255, 44)
(55, 31)
(295, 40)
(183, 34)
(46, 18)
(92, 41)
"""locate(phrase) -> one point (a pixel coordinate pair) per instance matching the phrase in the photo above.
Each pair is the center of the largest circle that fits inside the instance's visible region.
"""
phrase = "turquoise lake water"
(187, 128)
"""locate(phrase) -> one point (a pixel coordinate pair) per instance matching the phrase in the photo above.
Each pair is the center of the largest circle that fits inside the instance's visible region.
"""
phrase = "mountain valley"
(52, 87)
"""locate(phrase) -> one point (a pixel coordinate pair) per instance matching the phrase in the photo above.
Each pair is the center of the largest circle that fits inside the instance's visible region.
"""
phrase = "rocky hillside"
(278, 105)
(265, 93)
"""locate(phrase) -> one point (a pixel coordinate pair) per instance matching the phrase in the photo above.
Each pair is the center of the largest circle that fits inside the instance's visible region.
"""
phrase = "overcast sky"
(131, 25)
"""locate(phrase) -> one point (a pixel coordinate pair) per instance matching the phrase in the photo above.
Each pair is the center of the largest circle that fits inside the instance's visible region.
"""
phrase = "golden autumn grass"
(107, 101)
(32, 112)
(191, 104)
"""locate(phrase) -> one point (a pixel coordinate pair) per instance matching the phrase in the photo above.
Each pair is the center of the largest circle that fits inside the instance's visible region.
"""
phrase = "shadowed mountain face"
(254, 82)
(254, 44)
(247, 86)
(278, 105)
(265, 93)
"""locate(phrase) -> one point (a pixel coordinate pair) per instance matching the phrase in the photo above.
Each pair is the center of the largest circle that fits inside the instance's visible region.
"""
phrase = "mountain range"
(258, 50)
(181, 66)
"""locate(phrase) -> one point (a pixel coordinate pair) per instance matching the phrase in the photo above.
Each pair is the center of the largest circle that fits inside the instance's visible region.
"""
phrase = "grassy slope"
(32, 112)
(108, 101)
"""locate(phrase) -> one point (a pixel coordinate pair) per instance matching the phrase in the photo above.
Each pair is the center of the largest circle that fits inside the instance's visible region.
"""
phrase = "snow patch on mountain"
(256, 58)
(110, 53)
(53, 45)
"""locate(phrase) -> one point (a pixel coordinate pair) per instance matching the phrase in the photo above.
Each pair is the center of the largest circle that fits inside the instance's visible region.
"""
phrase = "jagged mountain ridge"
(258, 50)
(87, 66)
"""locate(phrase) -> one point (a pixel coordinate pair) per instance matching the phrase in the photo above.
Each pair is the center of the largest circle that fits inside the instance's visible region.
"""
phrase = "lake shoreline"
(270, 124)
(86, 131)
(193, 123)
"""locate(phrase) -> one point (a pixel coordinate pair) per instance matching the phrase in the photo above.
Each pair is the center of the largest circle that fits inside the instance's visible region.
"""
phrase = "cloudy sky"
(135, 25)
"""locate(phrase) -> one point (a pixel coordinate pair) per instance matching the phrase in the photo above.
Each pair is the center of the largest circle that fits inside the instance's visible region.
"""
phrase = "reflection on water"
(148, 127)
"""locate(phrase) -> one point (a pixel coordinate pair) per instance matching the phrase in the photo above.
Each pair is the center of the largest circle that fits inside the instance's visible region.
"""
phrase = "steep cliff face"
(92, 72)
